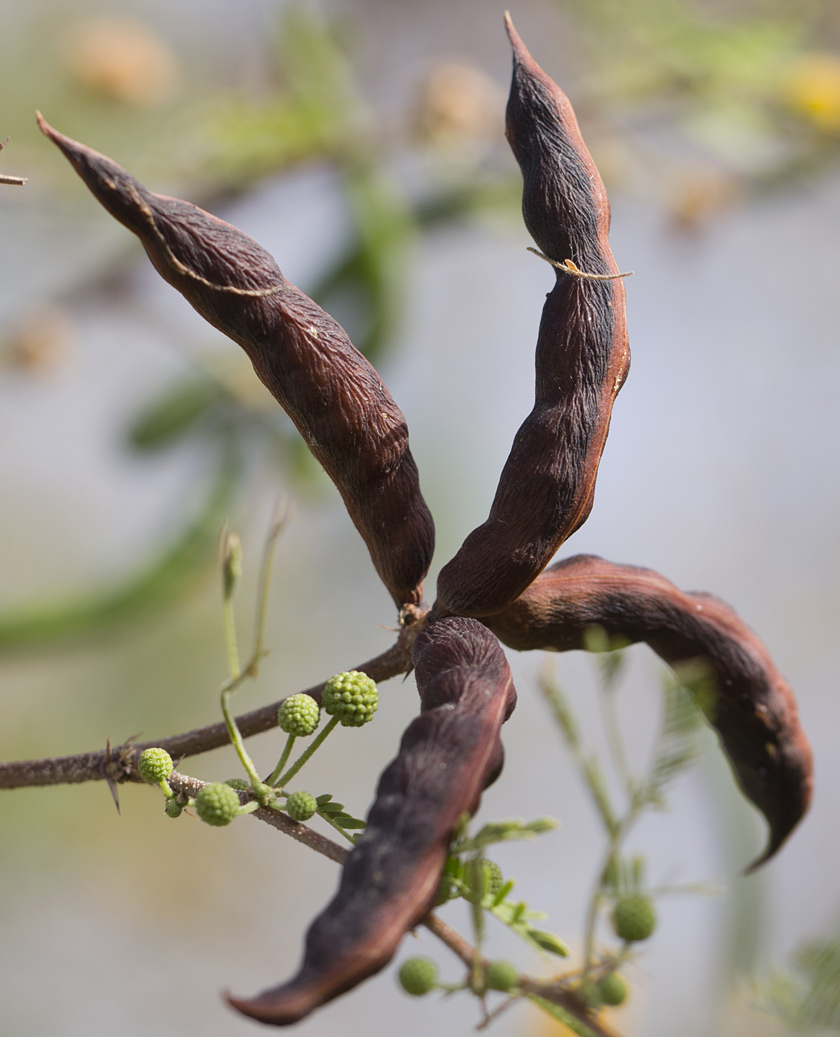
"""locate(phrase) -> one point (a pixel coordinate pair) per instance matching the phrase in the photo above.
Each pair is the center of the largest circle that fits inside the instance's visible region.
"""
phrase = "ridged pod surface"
(752, 709)
(448, 756)
(303, 356)
(546, 488)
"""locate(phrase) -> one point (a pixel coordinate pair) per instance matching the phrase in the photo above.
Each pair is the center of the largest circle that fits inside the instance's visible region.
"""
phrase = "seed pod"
(752, 707)
(546, 487)
(333, 395)
(447, 756)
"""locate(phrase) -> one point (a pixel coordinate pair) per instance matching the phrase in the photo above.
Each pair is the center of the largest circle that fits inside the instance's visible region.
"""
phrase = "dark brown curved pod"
(333, 395)
(753, 709)
(546, 488)
(447, 756)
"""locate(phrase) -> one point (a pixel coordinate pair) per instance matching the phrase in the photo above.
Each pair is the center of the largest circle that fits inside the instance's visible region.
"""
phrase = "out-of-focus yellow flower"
(699, 195)
(42, 340)
(121, 59)
(812, 88)
(458, 105)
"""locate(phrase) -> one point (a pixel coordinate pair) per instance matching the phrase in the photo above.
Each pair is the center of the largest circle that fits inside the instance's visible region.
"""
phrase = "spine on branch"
(448, 756)
(304, 357)
(752, 707)
(546, 488)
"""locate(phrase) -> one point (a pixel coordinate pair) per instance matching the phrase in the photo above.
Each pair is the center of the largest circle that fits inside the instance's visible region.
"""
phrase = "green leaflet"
(504, 831)
(575, 1025)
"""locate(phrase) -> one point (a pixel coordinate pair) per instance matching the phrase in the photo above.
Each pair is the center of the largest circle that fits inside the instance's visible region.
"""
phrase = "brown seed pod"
(546, 488)
(752, 707)
(447, 756)
(330, 391)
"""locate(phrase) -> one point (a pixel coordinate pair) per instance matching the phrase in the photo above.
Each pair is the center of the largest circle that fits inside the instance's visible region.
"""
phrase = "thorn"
(112, 784)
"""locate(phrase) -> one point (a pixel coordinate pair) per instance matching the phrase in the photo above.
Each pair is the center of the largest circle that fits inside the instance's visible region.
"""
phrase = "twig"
(118, 763)
(454, 941)
(17, 181)
(552, 991)
(557, 995)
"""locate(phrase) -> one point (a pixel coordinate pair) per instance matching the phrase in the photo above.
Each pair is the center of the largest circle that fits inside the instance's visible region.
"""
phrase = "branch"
(188, 787)
(118, 764)
(557, 994)
(553, 991)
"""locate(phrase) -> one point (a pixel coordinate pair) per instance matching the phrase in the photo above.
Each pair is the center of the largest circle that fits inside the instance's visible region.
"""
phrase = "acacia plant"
(414, 850)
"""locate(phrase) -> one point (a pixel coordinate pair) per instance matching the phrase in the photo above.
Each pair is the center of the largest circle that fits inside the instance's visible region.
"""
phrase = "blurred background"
(362, 143)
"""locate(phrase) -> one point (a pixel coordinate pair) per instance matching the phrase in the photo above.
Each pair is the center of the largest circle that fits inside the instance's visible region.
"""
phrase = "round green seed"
(300, 806)
(634, 917)
(501, 975)
(352, 697)
(154, 765)
(418, 976)
(217, 804)
(613, 989)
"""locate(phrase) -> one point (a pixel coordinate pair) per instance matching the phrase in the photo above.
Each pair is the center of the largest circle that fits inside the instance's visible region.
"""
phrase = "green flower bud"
(239, 784)
(492, 875)
(634, 917)
(155, 765)
(173, 808)
(231, 563)
(298, 715)
(501, 975)
(613, 989)
(352, 697)
(300, 806)
(493, 878)
(217, 804)
(418, 976)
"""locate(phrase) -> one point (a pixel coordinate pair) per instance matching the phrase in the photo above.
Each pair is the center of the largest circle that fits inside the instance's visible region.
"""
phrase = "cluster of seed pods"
(497, 586)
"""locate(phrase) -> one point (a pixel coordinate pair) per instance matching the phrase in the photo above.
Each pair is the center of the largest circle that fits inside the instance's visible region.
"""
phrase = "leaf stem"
(326, 817)
(305, 755)
(281, 763)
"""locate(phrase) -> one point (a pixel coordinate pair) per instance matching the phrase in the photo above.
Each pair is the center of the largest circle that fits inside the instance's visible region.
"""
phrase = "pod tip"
(46, 129)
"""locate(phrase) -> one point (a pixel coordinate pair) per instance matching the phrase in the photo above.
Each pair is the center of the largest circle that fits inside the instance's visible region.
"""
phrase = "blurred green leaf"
(807, 997)
(173, 414)
(503, 831)
(314, 110)
(549, 942)
(189, 556)
(677, 745)
(373, 272)
(568, 1020)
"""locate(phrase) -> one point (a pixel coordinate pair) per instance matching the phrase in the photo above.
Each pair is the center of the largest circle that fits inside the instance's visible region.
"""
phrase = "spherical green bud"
(501, 975)
(217, 804)
(493, 878)
(298, 715)
(239, 784)
(634, 917)
(231, 563)
(300, 806)
(352, 697)
(155, 765)
(173, 808)
(613, 989)
(418, 976)
(492, 875)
